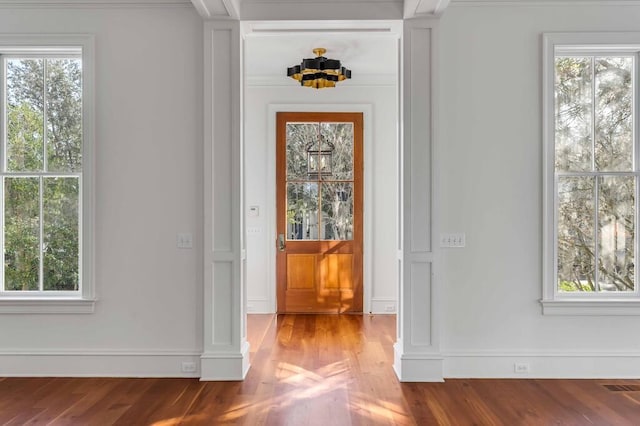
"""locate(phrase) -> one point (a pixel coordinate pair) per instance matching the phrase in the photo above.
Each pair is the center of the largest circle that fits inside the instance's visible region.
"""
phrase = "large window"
(591, 187)
(44, 171)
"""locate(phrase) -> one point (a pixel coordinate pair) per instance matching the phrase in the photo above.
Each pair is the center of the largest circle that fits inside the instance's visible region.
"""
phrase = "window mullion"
(40, 237)
(320, 186)
(45, 167)
(596, 231)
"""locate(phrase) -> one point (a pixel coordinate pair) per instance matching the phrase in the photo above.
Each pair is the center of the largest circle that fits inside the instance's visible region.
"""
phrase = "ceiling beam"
(418, 8)
(233, 8)
(210, 9)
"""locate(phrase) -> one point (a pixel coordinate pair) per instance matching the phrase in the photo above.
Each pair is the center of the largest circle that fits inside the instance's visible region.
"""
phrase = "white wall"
(149, 183)
(381, 184)
(490, 186)
(148, 187)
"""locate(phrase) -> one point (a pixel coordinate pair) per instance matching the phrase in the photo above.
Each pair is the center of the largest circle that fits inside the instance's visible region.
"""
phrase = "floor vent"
(623, 388)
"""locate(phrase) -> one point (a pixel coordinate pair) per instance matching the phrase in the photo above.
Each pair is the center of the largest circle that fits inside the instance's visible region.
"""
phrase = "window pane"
(21, 233)
(301, 137)
(302, 211)
(614, 113)
(576, 248)
(64, 115)
(338, 138)
(60, 233)
(25, 106)
(616, 216)
(337, 211)
(573, 123)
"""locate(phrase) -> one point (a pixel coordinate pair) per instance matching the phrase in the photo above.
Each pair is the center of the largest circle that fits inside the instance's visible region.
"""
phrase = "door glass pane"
(576, 245)
(616, 233)
(64, 115)
(573, 123)
(21, 233)
(301, 138)
(337, 211)
(60, 233)
(25, 114)
(338, 138)
(302, 211)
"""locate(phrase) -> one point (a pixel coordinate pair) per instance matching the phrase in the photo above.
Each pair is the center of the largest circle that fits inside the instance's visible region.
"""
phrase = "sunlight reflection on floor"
(332, 381)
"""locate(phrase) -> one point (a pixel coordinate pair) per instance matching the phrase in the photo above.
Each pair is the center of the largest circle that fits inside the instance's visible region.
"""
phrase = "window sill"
(46, 306)
(598, 307)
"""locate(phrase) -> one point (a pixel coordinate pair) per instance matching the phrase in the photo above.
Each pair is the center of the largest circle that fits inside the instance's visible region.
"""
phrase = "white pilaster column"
(417, 355)
(226, 351)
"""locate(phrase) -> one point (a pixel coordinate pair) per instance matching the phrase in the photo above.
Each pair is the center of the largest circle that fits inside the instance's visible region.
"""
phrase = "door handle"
(281, 243)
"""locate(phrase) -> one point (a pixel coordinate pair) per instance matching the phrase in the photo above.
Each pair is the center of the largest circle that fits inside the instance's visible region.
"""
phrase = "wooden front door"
(319, 212)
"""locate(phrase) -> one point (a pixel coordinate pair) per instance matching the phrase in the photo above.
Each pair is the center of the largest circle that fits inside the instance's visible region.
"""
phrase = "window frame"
(582, 303)
(83, 300)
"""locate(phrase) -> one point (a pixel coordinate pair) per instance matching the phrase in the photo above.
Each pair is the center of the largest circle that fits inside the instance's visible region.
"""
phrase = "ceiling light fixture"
(319, 72)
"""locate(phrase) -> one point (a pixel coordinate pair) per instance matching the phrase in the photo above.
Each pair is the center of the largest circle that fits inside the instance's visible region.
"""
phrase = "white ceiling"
(363, 54)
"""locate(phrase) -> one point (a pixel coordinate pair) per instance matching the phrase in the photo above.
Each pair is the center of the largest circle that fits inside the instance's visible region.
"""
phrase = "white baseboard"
(225, 366)
(417, 367)
(619, 365)
(260, 306)
(383, 306)
(19, 363)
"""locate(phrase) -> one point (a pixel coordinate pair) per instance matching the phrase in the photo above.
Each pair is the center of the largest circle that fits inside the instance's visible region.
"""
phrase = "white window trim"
(554, 303)
(84, 301)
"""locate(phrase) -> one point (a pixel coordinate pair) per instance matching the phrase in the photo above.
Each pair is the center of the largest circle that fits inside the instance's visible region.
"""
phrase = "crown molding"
(70, 4)
(530, 3)
(383, 28)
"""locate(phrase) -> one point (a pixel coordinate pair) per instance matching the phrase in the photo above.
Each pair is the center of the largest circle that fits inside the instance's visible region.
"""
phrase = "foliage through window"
(42, 149)
(595, 172)
(320, 181)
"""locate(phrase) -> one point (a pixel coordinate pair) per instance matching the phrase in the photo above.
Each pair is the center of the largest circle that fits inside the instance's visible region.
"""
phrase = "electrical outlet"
(389, 308)
(521, 368)
(188, 367)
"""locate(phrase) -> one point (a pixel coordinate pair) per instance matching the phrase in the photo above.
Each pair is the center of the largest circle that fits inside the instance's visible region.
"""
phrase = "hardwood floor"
(318, 370)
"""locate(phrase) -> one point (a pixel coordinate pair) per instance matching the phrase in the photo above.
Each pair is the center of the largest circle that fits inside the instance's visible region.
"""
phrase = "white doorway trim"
(417, 355)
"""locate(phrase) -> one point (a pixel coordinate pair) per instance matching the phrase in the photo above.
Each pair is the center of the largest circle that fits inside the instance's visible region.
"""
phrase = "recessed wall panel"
(222, 141)
(420, 142)
(420, 301)
(222, 302)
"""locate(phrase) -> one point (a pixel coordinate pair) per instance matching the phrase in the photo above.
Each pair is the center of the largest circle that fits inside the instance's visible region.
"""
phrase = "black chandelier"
(319, 72)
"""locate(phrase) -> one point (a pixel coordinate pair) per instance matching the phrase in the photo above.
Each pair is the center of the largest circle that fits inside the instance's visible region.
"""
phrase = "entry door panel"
(319, 212)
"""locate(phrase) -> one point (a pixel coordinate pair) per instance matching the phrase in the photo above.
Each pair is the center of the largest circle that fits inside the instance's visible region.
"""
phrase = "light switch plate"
(456, 240)
(184, 240)
(254, 211)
